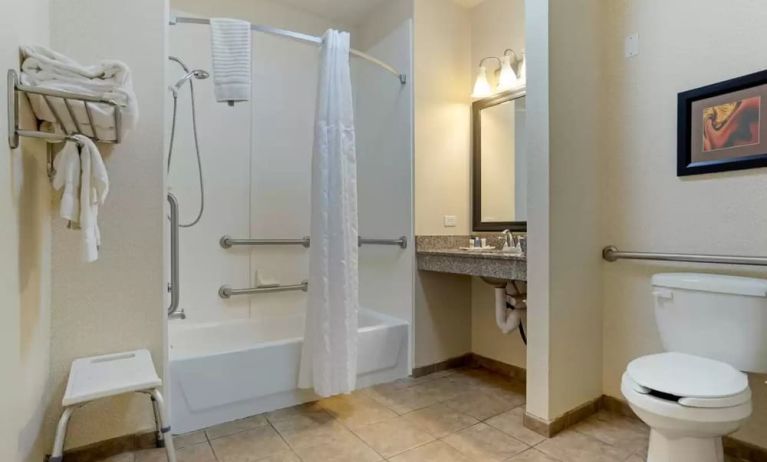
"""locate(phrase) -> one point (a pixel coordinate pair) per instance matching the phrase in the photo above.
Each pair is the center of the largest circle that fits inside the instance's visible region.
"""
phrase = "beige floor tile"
(616, 430)
(436, 451)
(572, 446)
(337, 446)
(235, 426)
(189, 439)
(249, 446)
(403, 400)
(306, 429)
(440, 420)
(284, 456)
(356, 411)
(532, 455)
(393, 436)
(195, 453)
(636, 458)
(485, 443)
(511, 423)
(479, 404)
(441, 389)
(124, 457)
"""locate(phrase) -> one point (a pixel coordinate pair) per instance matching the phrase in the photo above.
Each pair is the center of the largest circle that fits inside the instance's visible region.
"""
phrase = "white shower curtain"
(329, 356)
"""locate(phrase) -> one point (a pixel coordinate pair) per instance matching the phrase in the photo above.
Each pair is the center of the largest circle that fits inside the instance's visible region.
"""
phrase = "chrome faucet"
(508, 239)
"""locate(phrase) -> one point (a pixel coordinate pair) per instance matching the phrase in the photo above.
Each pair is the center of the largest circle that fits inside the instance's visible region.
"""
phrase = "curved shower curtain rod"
(305, 38)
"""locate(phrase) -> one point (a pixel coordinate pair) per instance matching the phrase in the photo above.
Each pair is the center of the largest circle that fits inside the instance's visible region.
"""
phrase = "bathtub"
(234, 369)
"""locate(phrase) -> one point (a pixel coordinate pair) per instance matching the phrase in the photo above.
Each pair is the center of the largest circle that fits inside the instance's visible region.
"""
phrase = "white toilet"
(712, 327)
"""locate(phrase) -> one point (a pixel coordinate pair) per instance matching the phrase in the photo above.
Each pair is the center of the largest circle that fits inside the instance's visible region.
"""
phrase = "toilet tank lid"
(712, 283)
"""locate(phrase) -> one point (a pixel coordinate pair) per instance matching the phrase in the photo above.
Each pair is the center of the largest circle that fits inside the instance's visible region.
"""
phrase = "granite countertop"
(442, 254)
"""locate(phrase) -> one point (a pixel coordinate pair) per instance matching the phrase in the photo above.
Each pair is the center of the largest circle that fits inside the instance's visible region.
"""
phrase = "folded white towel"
(230, 42)
(45, 68)
(81, 172)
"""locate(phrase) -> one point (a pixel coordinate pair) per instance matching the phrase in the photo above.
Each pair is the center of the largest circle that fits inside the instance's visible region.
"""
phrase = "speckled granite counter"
(431, 257)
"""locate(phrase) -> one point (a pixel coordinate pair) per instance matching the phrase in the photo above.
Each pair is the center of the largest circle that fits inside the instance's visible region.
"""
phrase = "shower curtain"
(329, 356)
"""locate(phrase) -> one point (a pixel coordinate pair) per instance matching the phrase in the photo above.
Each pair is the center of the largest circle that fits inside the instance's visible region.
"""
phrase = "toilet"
(712, 328)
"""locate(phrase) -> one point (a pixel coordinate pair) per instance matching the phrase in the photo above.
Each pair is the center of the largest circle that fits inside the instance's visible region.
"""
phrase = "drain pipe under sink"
(507, 319)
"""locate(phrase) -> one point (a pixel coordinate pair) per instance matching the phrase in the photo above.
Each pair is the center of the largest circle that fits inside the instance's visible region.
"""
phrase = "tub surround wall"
(117, 303)
(25, 240)
(646, 207)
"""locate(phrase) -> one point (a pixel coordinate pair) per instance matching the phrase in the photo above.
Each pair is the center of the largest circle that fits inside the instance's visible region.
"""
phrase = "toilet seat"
(687, 380)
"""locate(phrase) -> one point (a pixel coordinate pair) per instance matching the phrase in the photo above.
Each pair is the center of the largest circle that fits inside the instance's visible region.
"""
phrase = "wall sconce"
(507, 77)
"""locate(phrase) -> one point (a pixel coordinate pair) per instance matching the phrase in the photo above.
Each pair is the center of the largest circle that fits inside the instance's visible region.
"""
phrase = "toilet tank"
(714, 316)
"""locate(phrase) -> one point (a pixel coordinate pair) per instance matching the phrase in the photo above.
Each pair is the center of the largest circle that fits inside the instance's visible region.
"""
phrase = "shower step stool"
(100, 377)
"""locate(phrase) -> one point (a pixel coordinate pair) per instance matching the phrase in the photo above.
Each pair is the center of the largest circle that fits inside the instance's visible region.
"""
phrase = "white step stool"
(110, 375)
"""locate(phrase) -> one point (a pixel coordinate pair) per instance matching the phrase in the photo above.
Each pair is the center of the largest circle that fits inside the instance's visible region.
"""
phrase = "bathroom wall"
(442, 80)
(495, 26)
(25, 240)
(118, 302)
(646, 206)
(564, 269)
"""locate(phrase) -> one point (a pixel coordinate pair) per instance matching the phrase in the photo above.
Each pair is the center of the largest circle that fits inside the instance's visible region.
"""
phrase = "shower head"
(198, 74)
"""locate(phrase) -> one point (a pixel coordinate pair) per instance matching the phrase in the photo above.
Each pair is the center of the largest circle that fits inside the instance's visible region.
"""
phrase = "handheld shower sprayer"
(198, 74)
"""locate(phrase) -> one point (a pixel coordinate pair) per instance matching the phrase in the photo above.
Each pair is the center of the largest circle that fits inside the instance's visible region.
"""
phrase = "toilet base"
(665, 448)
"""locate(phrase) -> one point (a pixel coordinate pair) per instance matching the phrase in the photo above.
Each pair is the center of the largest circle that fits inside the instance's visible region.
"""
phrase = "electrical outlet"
(631, 45)
(450, 221)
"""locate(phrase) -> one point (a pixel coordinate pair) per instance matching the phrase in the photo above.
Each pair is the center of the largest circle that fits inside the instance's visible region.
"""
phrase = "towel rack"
(228, 242)
(227, 292)
(14, 132)
(611, 253)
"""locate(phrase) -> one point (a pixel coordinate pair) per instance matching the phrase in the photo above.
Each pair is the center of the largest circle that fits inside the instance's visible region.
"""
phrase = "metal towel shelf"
(611, 254)
(228, 292)
(228, 242)
(70, 101)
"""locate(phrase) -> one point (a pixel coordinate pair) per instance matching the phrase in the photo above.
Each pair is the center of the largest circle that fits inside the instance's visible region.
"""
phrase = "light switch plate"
(631, 45)
(450, 221)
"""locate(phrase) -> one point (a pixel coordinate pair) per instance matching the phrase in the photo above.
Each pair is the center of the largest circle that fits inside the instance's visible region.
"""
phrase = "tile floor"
(462, 415)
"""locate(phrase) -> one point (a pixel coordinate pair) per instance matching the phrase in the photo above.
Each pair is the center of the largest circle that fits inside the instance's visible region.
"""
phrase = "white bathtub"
(229, 370)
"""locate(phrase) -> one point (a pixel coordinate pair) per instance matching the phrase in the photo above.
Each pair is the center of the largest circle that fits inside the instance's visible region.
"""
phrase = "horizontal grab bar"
(611, 253)
(228, 242)
(227, 292)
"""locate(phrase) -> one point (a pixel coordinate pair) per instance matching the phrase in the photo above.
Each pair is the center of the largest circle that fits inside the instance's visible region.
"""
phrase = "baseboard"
(566, 420)
(733, 447)
(101, 450)
(452, 363)
(500, 368)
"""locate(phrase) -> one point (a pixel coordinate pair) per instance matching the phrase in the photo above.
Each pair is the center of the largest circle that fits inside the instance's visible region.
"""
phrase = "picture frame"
(723, 126)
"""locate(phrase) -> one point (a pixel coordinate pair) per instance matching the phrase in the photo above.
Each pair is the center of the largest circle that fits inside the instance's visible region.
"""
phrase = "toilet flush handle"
(663, 294)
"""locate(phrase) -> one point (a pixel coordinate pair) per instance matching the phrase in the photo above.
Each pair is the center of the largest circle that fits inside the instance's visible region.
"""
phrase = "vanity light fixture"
(482, 87)
(508, 78)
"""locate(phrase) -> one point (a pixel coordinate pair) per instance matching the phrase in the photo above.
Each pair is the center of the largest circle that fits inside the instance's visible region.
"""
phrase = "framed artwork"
(723, 126)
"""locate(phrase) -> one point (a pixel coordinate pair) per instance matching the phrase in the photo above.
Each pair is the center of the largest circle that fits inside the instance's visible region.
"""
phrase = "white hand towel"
(46, 68)
(230, 42)
(67, 165)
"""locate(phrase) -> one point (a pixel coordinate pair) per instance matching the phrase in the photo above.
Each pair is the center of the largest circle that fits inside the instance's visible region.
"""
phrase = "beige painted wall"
(118, 302)
(495, 26)
(24, 257)
(442, 116)
(646, 206)
(564, 269)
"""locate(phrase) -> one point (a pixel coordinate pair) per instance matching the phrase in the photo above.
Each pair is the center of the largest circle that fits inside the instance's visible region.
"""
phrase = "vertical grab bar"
(173, 286)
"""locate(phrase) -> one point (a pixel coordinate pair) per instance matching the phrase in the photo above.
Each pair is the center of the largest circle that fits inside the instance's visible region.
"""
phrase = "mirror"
(499, 166)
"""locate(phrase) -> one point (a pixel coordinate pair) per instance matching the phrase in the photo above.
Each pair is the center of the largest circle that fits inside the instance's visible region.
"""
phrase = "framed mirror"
(499, 167)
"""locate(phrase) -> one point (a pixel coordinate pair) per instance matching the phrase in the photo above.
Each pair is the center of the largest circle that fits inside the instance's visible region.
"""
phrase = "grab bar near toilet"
(611, 254)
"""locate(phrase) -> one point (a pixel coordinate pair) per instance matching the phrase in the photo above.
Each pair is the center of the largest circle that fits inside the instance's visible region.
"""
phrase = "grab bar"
(227, 292)
(611, 253)
(174, 287)
(228, 242)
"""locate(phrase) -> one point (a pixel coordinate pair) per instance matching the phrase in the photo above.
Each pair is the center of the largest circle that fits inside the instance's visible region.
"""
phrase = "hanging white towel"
(329, 357)
(45, 68)
(230, 43)
(81, 172)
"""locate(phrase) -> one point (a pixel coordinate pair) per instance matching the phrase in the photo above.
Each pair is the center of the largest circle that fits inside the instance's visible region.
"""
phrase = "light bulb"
(508, 78)
(481, 85)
